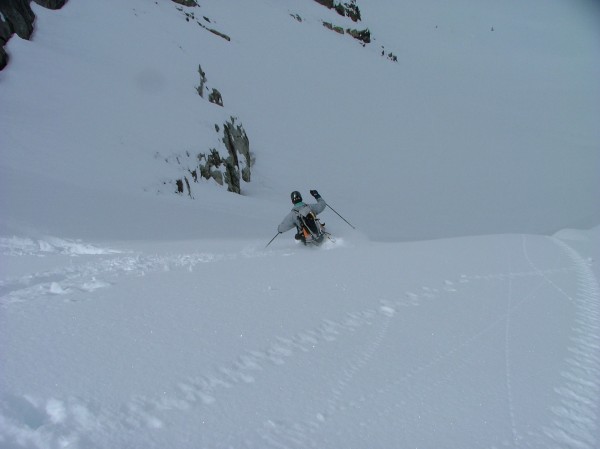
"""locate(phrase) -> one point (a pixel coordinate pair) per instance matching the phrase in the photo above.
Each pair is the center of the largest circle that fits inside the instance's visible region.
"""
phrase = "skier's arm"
(319, 206)
(288, 223)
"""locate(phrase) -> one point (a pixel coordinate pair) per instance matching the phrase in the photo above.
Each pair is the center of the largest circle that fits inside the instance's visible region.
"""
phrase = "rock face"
(232, 166)
(349, 9)
(189, 3)
(237, 143)
(327, 3)
(214, 96)
(51, 4)
(17, 17)
(5, 33)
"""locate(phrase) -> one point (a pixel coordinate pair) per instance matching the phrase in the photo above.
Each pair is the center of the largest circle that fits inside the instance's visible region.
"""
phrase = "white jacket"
(291, 220)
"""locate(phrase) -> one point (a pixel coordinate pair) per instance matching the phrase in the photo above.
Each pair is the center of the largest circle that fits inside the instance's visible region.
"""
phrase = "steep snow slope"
(473, 131)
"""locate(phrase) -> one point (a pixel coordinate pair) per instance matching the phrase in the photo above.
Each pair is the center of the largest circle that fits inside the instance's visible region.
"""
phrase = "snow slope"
(473, 131)
(134, 318)
(473, 342)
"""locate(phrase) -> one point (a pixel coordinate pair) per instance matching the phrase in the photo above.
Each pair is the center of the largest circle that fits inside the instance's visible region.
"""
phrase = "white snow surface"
(464, 310)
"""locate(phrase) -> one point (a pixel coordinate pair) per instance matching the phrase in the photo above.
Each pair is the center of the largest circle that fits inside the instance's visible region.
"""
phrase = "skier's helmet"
(296, 197)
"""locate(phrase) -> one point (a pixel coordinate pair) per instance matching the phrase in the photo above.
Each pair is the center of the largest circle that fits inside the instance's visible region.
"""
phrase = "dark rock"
(200, 88)
(5, 29)
(350, 9)
(19, 16)
(332, 27)
(5, 34)
(230, 169)
(232, 176)
(51, 4)
(236, 141)
(327, 3)
(210, 168)
(186, 2)
(180, 186)
(236, 166)
(216, 97)
(218, 33)
(16, 16)
(361, 35)
(3, 58)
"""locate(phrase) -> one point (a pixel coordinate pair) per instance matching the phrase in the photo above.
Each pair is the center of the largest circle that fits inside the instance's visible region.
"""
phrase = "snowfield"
(472, 342)
(464, 310)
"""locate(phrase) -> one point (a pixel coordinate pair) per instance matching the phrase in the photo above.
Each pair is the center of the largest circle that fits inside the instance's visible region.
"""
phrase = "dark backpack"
(310, 228)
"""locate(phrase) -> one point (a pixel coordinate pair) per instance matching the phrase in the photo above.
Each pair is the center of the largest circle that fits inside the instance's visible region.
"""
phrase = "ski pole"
(340, 216)
(273, 239)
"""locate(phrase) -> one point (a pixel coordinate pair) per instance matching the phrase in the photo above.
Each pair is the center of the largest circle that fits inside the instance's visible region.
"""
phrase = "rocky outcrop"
(349, 9)
(231, 167)
(186, 2)
(352, 11)
(215, 96)
(190, 16)
(5, 34)
(332, 27)
(237, 143)
(51, 4)
(236, 165)
(361, 35)
(17, 17)
(326, 3)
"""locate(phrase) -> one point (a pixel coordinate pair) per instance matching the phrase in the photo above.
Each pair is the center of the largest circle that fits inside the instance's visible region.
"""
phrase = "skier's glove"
(315, 194)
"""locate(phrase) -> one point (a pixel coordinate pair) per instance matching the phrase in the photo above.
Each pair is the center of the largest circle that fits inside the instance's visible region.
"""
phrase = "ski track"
(507, 344)
(341, 406)
(576, 417)
(62, 422)
(99, 274)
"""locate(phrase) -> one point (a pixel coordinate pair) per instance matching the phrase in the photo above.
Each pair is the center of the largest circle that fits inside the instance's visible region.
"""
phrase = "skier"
(304, 217)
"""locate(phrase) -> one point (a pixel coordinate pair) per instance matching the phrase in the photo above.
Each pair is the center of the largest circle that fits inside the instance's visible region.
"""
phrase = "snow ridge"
(576, 418)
